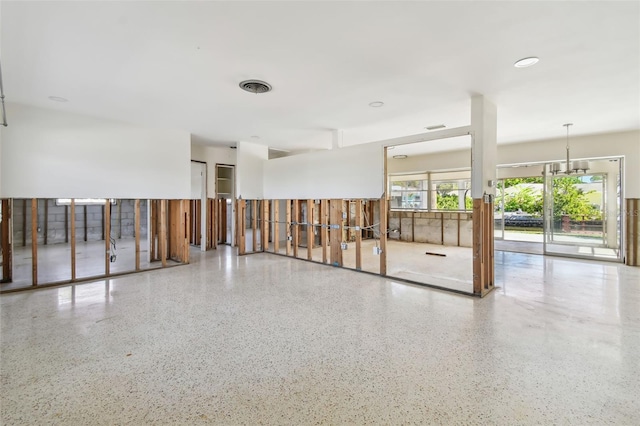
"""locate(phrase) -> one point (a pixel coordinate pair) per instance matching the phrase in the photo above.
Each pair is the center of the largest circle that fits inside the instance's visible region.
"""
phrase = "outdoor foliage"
(450, 202)
(526, 200)
(568, 199)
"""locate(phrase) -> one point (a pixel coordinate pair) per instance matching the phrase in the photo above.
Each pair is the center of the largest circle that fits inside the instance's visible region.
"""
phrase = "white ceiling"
(178, 65)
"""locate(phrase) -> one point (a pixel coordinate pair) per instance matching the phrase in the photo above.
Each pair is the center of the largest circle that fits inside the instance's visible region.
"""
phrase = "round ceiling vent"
(255, 86)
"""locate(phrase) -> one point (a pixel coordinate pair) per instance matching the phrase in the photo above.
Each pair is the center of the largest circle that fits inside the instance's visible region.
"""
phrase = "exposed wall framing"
(7, 241)
(483, 262)
(632, 231)
(337, 221)
(114, 223)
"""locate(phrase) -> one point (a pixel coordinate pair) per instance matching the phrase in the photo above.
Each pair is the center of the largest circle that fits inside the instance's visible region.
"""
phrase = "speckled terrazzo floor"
(264, 339)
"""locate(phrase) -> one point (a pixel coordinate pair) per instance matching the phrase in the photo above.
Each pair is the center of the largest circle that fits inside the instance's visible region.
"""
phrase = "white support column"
(483, 176)
(484, 128)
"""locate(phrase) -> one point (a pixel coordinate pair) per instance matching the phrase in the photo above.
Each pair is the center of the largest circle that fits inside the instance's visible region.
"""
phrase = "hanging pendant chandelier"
(571, 166)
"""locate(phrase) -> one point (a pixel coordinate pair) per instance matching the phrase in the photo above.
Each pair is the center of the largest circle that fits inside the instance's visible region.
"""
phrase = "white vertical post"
(484, 128)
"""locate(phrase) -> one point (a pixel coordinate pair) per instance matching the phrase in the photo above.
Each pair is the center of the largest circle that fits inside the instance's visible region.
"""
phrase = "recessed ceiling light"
(400, 157)
(255, 86)
(58, 99)
(255, 137)
(435, 127)
(526, 62)
(376, 104)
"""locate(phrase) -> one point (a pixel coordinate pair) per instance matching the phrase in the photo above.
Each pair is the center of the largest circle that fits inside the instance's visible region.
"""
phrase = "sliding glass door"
(582, 211)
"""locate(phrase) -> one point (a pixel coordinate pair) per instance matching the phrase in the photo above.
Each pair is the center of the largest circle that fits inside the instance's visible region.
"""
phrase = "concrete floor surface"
(263, 339)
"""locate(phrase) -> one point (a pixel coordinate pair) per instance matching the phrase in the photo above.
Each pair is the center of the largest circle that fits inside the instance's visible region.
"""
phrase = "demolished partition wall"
(49, 156)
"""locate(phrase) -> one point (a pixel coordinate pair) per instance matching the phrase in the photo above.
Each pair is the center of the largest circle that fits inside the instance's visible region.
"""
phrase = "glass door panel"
(498, 215)
(578, 221)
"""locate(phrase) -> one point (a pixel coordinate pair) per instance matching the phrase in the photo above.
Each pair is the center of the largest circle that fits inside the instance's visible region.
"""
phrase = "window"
(408, 194)
(452, 195)
(83, 201)
(432, 191)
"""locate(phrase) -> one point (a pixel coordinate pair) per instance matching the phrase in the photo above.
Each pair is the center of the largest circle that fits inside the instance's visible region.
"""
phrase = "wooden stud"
(241, 211)
(153, 231)
(119, 204)
(136, 214)
(310, 229)
(223, 222)
(344, 220)
(289, 232)
(485, 248)
(358, 234)
(192, 236)
(213, 217)
(73, 239)
(324, 228)
(477, 246)
(276, 226)
(174, 222)
(633, 212)
(265, 225)
(335, 233)
(7, 267)
(66, 224)
(208, 220)
(383, 233)
(254, 224)
(632, 232)
(185, 214)
(216, 222)
(296, 227)
(103, 221)
(238, 222)
(24, 222)
(34, 241)
(628, 235)
(162, 237)
(106, 220)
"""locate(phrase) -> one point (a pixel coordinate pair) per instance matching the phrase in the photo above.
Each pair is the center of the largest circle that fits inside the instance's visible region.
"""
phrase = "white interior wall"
(439, 161)
(250, 160)
(351, 172)
(196, 180)
(53, 154)
(212, 155)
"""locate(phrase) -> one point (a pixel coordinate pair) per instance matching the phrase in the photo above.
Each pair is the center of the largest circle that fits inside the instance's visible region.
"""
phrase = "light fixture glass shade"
(556, 168)
(580, 166)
